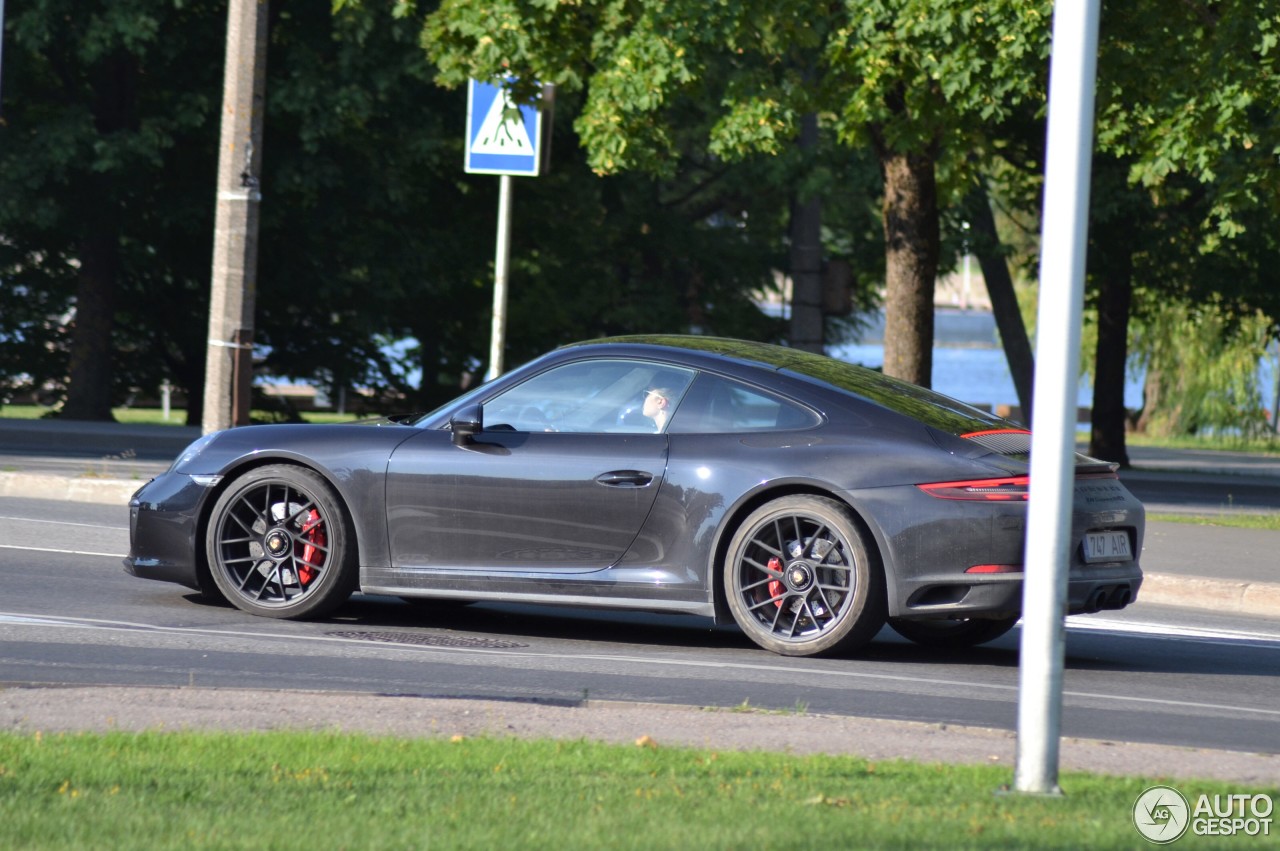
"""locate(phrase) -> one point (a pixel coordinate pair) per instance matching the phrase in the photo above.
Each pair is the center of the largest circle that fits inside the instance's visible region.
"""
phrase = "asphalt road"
(70, 615)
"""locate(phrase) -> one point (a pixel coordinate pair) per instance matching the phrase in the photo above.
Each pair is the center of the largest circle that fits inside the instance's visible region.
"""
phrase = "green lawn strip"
(1234, 521)
(177, 416)
(329, 790)
(1263, 444)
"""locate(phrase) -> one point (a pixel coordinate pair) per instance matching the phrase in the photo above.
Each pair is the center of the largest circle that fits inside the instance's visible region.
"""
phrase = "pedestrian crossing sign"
(502, 137)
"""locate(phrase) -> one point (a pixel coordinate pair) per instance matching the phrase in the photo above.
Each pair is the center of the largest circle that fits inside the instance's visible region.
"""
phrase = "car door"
(560, 478)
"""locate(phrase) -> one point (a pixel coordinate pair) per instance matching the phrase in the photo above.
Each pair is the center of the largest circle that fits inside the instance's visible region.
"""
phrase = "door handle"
(625, 478)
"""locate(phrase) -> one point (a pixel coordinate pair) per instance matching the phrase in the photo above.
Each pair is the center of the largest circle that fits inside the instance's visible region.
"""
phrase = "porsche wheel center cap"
(277, 543)
(799, 576)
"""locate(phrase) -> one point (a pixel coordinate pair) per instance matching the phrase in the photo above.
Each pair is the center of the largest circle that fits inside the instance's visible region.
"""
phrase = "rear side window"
(716, 405)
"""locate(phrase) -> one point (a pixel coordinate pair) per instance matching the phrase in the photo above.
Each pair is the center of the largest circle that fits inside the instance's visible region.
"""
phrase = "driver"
(657, 406)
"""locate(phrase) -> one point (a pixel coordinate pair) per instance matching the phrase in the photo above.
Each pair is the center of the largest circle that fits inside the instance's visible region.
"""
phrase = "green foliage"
(370, 231)
(1189, 89)
(371, 234)
(916, 70)
(1202, 369)
(98, 141)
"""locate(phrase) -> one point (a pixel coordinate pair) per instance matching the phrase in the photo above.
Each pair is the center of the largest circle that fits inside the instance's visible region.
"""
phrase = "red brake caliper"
(776, 588)
(311, 558)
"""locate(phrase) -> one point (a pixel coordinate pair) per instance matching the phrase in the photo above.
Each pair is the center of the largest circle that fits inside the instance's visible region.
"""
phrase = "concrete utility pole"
(229, 368)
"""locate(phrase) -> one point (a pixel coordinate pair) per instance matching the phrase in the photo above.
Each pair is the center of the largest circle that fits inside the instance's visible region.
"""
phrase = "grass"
(329, 790)
(177, 417)
(1265, 445)
(1231, 521)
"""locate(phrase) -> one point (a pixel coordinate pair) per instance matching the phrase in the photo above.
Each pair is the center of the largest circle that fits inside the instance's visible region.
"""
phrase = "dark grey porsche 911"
(805, 499)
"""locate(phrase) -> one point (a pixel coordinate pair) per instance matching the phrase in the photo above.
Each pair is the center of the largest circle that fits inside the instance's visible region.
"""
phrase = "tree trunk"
(89, 378)
(911, 263)
(1152, 401)
(1004, 301)
(1108, 418)
(89, 382)
(806, 257)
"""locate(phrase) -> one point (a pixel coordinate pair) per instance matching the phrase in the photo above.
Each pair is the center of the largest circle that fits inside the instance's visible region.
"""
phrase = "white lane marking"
(117, 527)
(1086, 623)
(22, 619)
(60, 552)
(36, 620)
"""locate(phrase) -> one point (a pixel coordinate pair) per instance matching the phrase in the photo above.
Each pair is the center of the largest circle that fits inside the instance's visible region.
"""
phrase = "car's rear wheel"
(280, 544)
(965, 632)
(801, 579)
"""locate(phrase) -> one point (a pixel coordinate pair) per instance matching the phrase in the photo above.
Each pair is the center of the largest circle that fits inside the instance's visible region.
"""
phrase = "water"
(979, 376)
(970, 365)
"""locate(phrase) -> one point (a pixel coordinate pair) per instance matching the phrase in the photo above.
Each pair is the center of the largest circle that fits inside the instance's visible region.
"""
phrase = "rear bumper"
(962, 559)
(1001, 596)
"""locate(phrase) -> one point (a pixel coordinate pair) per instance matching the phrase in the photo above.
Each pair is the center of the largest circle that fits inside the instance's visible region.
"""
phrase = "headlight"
(192, 451)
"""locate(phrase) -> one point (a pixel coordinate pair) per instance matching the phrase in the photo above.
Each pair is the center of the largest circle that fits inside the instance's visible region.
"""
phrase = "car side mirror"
(466, 423)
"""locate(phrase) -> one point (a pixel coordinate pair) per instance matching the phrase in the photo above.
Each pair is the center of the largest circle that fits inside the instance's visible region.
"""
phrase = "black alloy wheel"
(280, 545)
(801, 580)
(960, 633)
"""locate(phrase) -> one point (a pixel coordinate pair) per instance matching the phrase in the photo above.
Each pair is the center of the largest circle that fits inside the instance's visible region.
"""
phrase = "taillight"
(992, 490)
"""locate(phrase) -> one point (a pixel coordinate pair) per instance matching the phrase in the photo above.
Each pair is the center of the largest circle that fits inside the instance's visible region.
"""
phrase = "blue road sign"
(502, 138)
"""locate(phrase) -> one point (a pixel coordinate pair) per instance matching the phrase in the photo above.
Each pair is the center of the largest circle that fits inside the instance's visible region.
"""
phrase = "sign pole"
(505, 139)
(501, 257)
(1072, 74)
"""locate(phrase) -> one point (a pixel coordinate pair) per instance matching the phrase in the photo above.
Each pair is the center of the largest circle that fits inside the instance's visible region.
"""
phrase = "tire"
(280, 545)
(966, 632)
(801, 579)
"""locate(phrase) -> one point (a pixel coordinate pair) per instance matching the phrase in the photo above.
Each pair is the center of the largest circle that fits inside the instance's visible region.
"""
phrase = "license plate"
(1107, 546)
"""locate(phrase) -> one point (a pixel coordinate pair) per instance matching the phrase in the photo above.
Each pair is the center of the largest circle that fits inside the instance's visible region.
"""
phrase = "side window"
(715, 405)
(618, 396)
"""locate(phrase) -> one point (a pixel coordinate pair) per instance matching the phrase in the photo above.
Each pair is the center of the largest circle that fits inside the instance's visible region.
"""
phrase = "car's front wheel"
(801, 580)
(966, 632)
(280, 545)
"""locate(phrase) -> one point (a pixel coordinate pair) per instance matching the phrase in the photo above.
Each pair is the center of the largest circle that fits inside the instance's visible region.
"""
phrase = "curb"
(70, 489)
(1231, 596)
(1220, 595)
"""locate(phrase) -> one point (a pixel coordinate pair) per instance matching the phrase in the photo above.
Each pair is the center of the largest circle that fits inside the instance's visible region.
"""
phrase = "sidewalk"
(1217, 568)
(83, 461)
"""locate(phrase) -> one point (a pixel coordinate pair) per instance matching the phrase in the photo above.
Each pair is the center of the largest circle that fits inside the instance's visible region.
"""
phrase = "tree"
(1188, 138)
(677, 253)
(991, 255)
(916, 79)
(374, 263)
(94, 171)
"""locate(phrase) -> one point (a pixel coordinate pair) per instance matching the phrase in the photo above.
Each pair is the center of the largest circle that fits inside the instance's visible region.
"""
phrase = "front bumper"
(164, 533)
